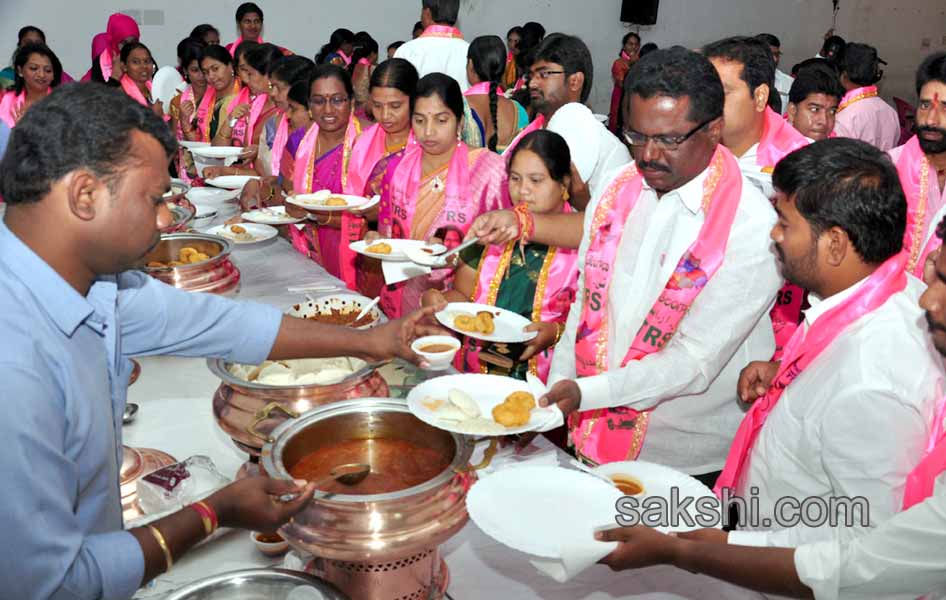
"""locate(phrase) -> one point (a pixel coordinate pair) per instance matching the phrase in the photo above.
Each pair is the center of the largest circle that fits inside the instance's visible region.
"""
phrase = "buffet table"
(174, 395)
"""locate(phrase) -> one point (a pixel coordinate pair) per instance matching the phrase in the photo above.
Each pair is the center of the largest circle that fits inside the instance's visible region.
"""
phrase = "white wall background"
(904, 31)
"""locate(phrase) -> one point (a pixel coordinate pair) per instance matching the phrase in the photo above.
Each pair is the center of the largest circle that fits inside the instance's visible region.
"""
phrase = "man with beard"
(813, 102)
(902, 557)
(860, 362)
(83, 177)
(921, 163)
(677, 277)
(560, 81)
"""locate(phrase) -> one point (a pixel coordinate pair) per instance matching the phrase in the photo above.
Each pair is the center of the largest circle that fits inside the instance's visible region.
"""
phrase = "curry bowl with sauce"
(437, 350)
(413, 498)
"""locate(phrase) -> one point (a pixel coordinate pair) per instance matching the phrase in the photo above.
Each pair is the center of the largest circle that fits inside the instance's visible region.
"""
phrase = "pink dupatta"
(462, 204)
(279, 144)
(482, 89)
(922, 479)
(131, 88)
(616, 434)
(10, 106)
(442, 31)
(779, 139)
(913, 167)
(238, 133)
(303, 177)
(802, 350)
(536, 124)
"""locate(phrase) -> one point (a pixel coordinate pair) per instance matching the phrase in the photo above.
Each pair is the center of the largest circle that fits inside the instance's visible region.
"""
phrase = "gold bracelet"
(168, 559)
(559, 330)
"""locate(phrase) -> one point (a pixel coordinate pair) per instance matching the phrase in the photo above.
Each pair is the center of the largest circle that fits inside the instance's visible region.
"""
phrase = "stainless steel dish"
(259, 584)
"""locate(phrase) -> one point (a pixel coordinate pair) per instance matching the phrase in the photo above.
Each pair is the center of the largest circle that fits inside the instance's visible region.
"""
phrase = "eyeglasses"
(320, 101)
(664, 142)
(541, 75)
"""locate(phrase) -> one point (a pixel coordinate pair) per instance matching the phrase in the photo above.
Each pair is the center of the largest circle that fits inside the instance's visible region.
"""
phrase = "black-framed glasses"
(544, 74)
(665, 142)
(320, 101)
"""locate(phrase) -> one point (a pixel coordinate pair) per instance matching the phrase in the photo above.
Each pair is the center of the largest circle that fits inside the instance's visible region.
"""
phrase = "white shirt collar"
(690, 193)
(820, 307)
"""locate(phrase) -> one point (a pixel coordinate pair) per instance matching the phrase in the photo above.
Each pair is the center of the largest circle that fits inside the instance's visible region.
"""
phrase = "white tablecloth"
(174, 395)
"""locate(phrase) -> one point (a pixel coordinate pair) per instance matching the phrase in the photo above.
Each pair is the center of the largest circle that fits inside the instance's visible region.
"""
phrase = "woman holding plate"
(536, 281)
(217, 65)
(393, 85)
(439, 184)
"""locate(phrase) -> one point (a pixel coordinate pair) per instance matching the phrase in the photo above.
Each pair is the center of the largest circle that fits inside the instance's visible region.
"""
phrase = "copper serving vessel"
(248, 412)
(379, 546)
(217, 275)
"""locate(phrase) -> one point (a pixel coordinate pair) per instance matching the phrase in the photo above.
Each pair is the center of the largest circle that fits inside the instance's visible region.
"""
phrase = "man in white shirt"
(842, 214)
(759, 138)
(901, 558)
(560, 81)
(783, 81)
(441, 47)
(673, 110)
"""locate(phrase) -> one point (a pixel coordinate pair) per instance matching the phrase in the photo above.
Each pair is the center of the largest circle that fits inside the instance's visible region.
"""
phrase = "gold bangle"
(559, 330)
(168, 559)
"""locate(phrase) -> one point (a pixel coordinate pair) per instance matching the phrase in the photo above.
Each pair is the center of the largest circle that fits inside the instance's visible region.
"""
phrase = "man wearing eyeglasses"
(677, 277)
(560, 81)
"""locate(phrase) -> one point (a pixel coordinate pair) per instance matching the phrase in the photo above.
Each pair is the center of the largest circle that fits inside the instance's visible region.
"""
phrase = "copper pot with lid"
(376, 546)
(217, 274)
(248, 411)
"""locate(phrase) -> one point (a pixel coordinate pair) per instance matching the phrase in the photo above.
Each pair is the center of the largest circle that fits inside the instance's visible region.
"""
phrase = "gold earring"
(565, 195)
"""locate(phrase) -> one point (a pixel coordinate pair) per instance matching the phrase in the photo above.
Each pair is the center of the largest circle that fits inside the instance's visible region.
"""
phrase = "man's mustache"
(652, 166)
(933, 325)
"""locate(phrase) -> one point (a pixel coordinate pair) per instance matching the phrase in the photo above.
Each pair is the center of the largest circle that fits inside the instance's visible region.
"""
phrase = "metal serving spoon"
(348, 474)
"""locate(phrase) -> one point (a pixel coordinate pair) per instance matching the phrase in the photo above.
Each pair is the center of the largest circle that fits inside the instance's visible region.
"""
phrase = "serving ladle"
(347, 474)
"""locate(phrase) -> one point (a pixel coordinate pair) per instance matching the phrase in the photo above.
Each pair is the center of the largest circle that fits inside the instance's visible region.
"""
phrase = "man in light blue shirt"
(83, 178)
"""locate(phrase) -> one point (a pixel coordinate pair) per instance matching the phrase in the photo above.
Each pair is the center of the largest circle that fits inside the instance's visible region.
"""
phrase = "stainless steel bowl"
(259, 584)
(217, 274)
(385, 526)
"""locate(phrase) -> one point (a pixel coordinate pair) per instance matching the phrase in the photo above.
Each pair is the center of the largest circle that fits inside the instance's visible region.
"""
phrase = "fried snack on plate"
(336, 201)
(484, 322)
(237, 229)
(509, 415)
(522, 400)
(465, 322)
(379, 248)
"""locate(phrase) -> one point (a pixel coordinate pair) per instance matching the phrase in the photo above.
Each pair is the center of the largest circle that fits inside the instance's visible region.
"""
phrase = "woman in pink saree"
(437, 188)
(36, 72)
(321, 162)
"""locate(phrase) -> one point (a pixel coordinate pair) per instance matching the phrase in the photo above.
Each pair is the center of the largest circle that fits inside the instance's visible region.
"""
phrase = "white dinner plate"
(399, 248)
(658, 481)
(509, 325)
(231, 182)
(260, 233)
(164, 85)
(272, 215)
(218, 151)
(540, 510)
(308, 308)
(189, 145)
(486, 390)
(316, 201)
(211, 196)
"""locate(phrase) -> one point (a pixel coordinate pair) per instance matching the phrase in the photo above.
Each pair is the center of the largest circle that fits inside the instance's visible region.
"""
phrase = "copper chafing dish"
(181, 208)
(217, 275)
(248, 412)
(377, 546)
